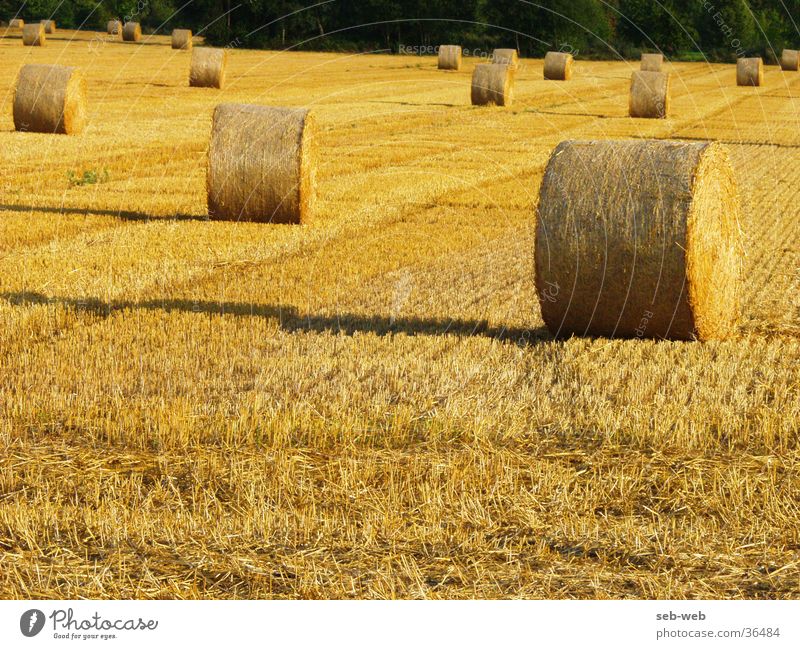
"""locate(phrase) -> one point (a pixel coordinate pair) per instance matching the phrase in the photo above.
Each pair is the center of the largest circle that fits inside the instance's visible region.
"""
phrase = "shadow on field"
(291, 320)
(125, 215)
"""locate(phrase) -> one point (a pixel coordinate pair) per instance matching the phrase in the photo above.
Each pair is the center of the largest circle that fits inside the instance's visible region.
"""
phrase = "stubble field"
(369, 405)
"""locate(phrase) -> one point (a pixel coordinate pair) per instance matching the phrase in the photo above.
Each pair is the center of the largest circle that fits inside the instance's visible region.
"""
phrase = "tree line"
(719, 30)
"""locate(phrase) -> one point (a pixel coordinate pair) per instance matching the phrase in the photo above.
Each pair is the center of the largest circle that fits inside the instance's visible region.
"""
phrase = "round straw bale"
(132, 32)
(181, 39)
(114, 27)
(638, 239)
(449, 57)
(50, 99)
(558, 66)
(749, 72)
(261, 164)
(651, 62)
(492, 83)
(506, 56)
(790, 60)
(208, 67)
(649, 96)
(49, 26)
(16, 23)
(33, 34)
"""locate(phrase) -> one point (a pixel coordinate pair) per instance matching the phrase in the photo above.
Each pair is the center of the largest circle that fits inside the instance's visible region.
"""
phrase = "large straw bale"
(50, 99)
(651, 62)
(492, 83)
(639, 239)
(790, 60)
(208, 67)
(181, 39)
(16, 23)
(558, 66)
(33, 35)
(114, 27)
(261, 164)
(749, 72)
(449, 57)
(49, 26)
(506, 56)
(132, 32)
(649, 94)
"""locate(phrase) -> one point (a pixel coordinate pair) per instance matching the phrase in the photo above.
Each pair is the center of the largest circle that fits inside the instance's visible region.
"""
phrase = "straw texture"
(492, 83)
(651, 62)
(790, 60)
(261, 164)
(638, 239)
(749, 72)
(33, 35)
(558, 66)
(649, 94)
(507, 57)
(449, 57)
(132, 32)
(181, 39)
(50, 99)
(208, 67)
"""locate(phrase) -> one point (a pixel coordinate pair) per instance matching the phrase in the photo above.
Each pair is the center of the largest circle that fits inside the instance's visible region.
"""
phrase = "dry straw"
(181, 39)
(790, 60)
(49, 26)
(132, 32)
(449, 57)
(506, 57)
(749, 72)
(638, 239)
(261, 164)
(558, 66)
(208, 67)
(492, 83)
(16, 23)
(33, 34)
(50, 99)
(649, 95)
(114, 27)
(651, 62)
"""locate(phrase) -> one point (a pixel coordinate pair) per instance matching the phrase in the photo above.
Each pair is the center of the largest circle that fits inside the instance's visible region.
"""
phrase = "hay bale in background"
(49, 26)
(749, 72)
(558, 66)
(181, 39)
(649, 95)
(33, 34)
(132, 32)
(50, 99)
(260, 164)
(506, 57)
(651, 62)
(114, 27)
(16, 23)
(492, 83)
(449, 57)
(638, 239)
(208, 67)
(790, 60)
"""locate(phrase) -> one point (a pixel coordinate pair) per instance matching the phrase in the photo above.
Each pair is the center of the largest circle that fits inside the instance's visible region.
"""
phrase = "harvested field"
(370, 405)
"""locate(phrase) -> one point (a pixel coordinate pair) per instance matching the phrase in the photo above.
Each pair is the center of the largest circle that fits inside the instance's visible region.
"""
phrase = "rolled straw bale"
(208, 67)
(492, 83)
(33, 34)
(506, 56)
(16, 23)
(558, 66)
(638, 239)
(749, 72)
(790, 60)
(114, 27)
(49, 26)
(449, 57)
(50, 99)
(261, 164)
(181, 39)
(649, 96)
(132, 32)
(651, 62)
